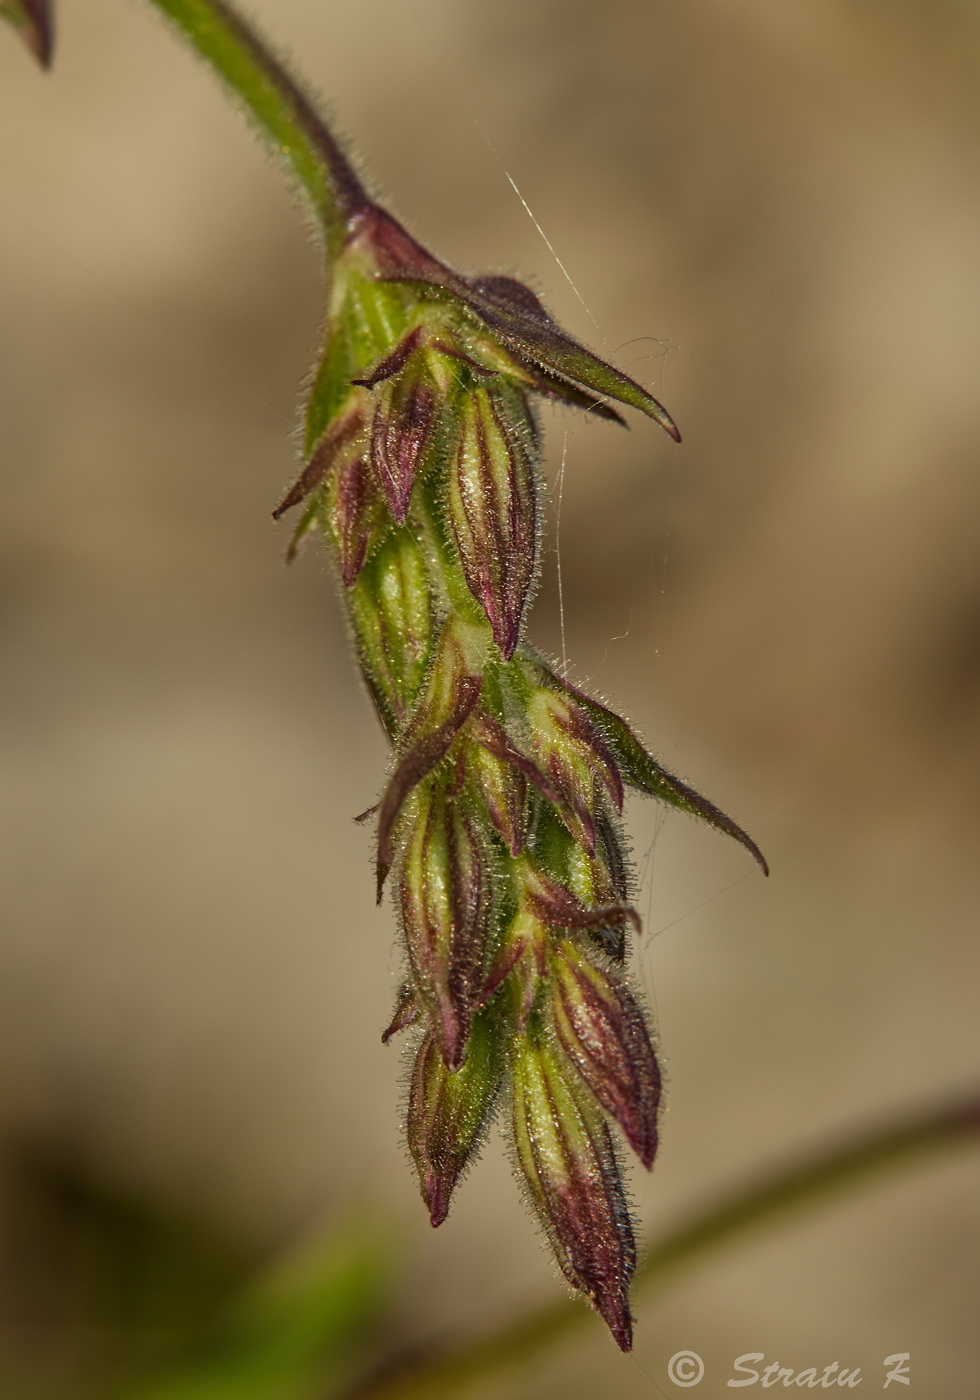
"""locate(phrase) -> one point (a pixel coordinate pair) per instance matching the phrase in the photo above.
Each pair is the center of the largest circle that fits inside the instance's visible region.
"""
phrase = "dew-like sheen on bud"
(566, 1158)
(493, 506)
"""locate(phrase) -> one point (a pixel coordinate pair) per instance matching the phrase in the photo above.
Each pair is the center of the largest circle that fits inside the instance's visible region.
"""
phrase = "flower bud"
(452, 692)
(600, 882)
(603, 1032)
(501, 775)
(444, 899)
(523, 953)
(565, 1153)
(571, 751)
(354, 513)
(493, 507)
(448, 1112)
(400, 431)
(391, 605)
(513, 314)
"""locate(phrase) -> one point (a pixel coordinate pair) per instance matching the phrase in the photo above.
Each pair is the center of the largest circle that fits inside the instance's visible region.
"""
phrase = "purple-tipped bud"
(603, 1032)
(400, 431)
(355, 515)
(448, 1112)
(566, 1156)
(33, 19)
(571, 751)
(444, 900)
(493, 507)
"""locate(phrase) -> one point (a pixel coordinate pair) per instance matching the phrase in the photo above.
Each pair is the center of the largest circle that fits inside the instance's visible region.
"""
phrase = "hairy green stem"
(285, 116)
(844, 1165)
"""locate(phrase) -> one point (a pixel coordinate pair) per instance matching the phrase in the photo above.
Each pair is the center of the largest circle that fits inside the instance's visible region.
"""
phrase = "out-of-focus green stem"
(846, 1164)
(284, 115)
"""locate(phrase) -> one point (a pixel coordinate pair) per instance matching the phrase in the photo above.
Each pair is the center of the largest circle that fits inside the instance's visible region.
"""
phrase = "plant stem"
(842, 1166)
(284, 115)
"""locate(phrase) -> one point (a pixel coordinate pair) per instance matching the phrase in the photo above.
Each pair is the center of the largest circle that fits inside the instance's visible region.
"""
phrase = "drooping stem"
(285, 116)
(799, 1186)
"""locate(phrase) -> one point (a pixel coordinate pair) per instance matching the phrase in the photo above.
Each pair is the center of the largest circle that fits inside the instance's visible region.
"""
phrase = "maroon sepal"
(394, 362)
(406, 1012)
(334, 439)
(557, 907)
(495, 738)
(355, 514)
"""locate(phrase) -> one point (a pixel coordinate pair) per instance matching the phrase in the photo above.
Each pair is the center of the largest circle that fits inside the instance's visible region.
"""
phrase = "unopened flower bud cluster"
(498, 828)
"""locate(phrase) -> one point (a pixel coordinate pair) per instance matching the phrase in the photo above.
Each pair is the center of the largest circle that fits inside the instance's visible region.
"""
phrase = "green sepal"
(392, 611)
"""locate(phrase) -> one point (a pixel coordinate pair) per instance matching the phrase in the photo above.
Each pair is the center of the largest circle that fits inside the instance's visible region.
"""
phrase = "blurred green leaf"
(299, 1332)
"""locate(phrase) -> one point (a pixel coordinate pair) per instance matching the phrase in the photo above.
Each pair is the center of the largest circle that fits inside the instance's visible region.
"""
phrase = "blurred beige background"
(771, 210)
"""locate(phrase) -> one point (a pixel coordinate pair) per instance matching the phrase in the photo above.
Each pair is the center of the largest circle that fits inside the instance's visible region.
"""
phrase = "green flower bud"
(501, 775)
(523, 954)
(391, 605)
